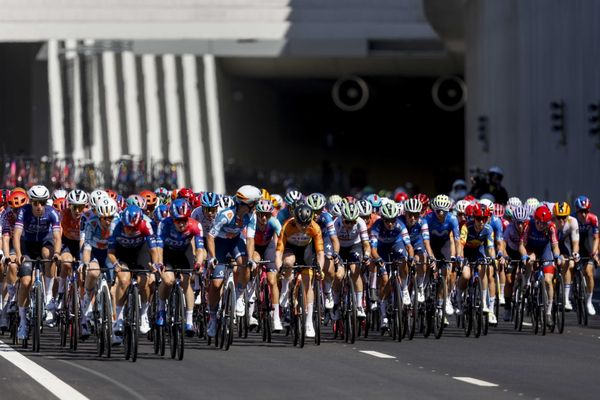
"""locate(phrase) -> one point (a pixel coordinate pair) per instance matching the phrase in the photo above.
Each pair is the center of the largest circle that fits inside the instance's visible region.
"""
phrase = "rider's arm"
(335, 243)
(17, 242)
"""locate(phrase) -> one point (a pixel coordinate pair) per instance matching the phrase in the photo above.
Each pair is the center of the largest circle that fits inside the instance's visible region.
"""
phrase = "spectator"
(495, 175)
(459, 190)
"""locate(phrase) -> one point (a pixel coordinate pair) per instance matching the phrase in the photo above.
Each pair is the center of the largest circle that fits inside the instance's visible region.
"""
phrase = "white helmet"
(532, 202)
(225, 202)
(350, 211)
(106, 207)
(96, 196)
(441, 202)
(461, 206)
(400, 207)
(38, 192)
(316, 201)
(389, 210)
(77, 197)
(248, 194)
(487, 204)
(365, 209)
(413, 205)
(333, 200)
(336, 210)
(59, 194)
(514, 202)
(277, 200)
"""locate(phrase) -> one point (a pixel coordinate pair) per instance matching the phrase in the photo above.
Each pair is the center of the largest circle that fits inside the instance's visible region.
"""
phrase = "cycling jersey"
(471, 239)
(589, 227)
(356, 234)
(371, 221)
(263, 237)
(418, 232)
(169, 237)
(294, 235)
(94, 236)
(7, 221)
(439, 232)
(569, 231)
(512, 237)
(497, 228)
(199, 216)
(398, 234)
(325, 222)
(283, 215)
(532, 238)
(143, 232)
(228, 226)
(37, 229)
(71, 226)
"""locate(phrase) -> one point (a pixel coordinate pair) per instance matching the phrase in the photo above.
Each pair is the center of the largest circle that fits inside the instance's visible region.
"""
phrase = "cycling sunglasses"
(349, 222)
(38, 202)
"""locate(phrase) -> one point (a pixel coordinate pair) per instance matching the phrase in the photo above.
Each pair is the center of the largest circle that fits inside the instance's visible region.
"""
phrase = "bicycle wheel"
(477, 309)
(228, 323)
(180, 322)
(74, 317)
(429, 307)
(582, 294)
(63, 324)
(413, 310)
(439, 307)
(559, 311)
(497, 302)
(106, 321)
(100, 343)
(171, 323)
(317, 310)
(37, 314)
(300, 313)
(517, 313)
(134, 317)
(399, 316)
(543, 304)
(352, 318)
(468, 311)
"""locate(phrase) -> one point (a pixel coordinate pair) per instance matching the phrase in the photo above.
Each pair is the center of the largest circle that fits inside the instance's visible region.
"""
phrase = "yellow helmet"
(561, 209)
(265, 194)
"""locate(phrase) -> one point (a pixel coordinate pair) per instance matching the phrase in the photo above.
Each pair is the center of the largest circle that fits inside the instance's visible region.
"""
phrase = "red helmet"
(111, 193)
(423, 199)
(400, 196)
(478, 211)
(470, 198)
(60, 204)
(543, 214)
(499, 210)
(17, 199)
(185, 193)
(196, 200)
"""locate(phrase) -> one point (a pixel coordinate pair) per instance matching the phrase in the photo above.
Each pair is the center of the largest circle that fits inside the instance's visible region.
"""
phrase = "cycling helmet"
(477, 210)
(583, 203)
(185, 193)
(180, 208)
(441, 202)
(196, 201)
(400, 196)
(265, 194)
(400, 207)
(150, 197)
(96, 196)
(375, 200)
(59, 194)
(532, 202)
(226, 202)
(316, 201)
(248, 194)
(543, 214)
(17, 199)
(173, 194)
(106, 207)
(350, 211)
(77, 197)
(121, 202)
(209, 200)
(336, 210)
(521, 213)
(413, 206)
(333, 200)
(423, 199)
(277, 200)
(303, 214)
(514, 201)
(60, 204)
(39, 193)
(487, 203)
(136, 200)
(162, 193)
(132, 216)
(292, 197)
(496, 170)
(461, 206)
(112, 194)
(365, 209)
(389, 210)
(264, 206)
(499, 210)
(562, 209)
(160, 212)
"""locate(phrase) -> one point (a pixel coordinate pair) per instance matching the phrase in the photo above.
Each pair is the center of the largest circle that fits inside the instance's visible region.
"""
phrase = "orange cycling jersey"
(296, 236)
(372, 219)
(71, 226)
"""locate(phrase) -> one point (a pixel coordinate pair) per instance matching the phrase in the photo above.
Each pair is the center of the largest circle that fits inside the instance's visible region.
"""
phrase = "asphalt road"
(511, 364)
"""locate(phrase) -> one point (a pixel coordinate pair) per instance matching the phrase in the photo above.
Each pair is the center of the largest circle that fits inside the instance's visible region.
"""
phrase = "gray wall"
(521, 56)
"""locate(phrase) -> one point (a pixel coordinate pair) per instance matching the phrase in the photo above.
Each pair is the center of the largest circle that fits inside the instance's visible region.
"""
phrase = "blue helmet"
(132, 216)
(209, 199)
(375, 200)
(180, 208)
(583, 203)
(160, 212)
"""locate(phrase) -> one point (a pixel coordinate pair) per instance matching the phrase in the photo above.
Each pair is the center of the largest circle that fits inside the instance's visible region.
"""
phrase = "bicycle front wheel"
(37, 318)
(317, 310)
(230, 316)
(351, 315)
(300, 313)
(439, 316)
(559, 301)
(134, 322)
(106, 323)
(74, 317)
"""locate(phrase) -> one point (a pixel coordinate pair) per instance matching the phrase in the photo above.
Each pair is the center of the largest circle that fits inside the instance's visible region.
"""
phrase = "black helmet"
(303, 214)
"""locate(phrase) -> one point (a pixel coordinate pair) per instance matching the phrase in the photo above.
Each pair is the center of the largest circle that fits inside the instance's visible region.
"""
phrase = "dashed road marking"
(376, 354)
(474, 381)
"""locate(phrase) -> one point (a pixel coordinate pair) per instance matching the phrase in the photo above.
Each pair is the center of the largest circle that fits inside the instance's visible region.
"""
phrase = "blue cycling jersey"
(440, 231)
(95, 237)
(228, 226)
(283, 215)
(326, 224)
(380, 234)
(498, 228)
(169, 237)
(418, 232)
(36, 229)
(143, 232)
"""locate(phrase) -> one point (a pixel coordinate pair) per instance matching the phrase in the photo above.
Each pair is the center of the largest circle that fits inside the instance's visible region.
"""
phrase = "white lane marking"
(527, 324)
(474, 381)
(376, 354)
(44, 377)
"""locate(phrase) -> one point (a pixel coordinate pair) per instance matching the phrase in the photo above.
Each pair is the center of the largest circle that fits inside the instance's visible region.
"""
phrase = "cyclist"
(317, 201)
(500, 247)
(588, 233)
(353, 235)
(174, 242)
(460, 209)
(291, 199)
(540, 241)
(96, 234)
(267, 234)
(151, 201)
(225, 239)
(300, 239)
(512, 238)
(205, 214)
(568, 243)
(477, 243)
(131, 247)
(390, 241)
(36, 234)
(15, 201)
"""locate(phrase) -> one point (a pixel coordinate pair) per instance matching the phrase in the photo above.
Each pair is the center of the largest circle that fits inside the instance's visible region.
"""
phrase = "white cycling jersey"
(350, 236)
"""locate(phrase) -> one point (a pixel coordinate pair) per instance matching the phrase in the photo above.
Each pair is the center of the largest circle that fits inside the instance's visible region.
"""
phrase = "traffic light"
(557, 114)
(594, 109)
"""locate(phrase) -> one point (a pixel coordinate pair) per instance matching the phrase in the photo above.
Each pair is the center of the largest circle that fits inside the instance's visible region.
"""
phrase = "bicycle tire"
(300, 313)
(497, 302)
(155, 328)
(543, 305)
(75, 318)
(107, 321)
(63, 325)
(582, 294)
(181, 327)
(231, 312)
(37, 319)
(171, 323)
(412, 309)
(135, 322)
(429, 308)
(440, 309)
(477, 309)
(399, 315)
(516, 306)
(317, 310)
(353, 318)
(559, 295)
(222, 334)
(99, 333)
